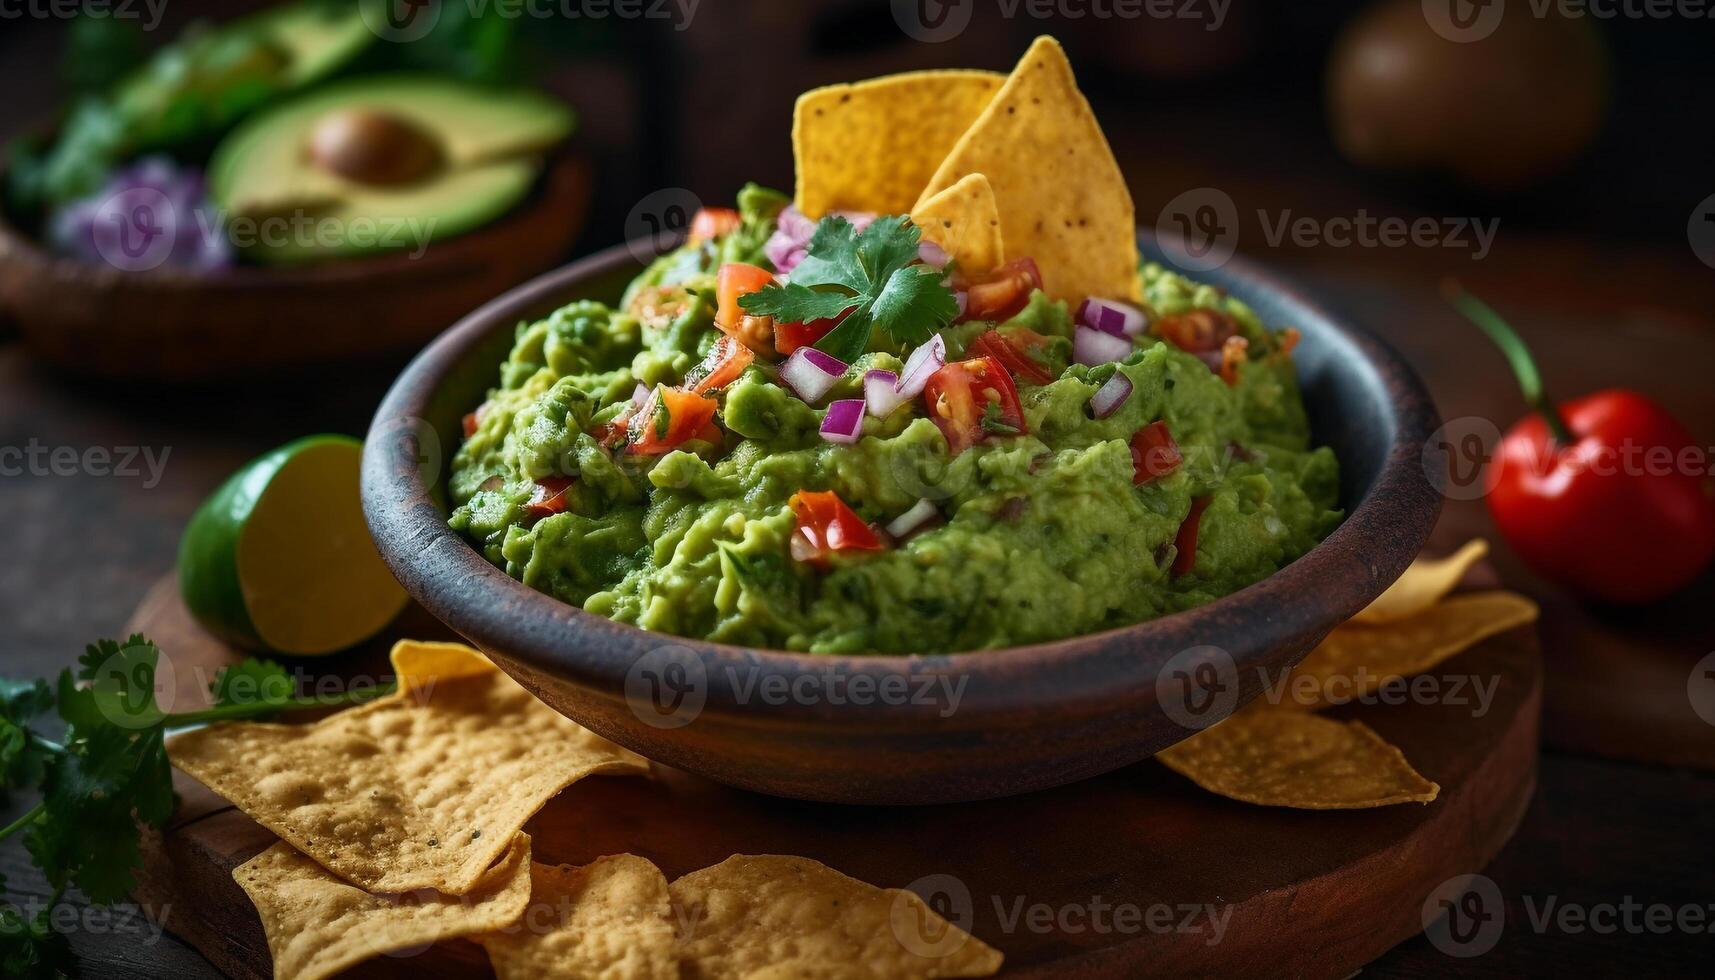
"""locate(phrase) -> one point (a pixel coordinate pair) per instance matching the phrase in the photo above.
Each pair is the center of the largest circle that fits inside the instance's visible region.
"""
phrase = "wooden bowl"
(175, 325)
(920, 729)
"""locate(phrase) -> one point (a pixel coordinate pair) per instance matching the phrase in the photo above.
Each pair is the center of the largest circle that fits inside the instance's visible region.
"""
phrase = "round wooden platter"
(1134, 873)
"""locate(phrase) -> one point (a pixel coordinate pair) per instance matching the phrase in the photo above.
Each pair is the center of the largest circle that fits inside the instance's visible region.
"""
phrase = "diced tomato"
(473, 421)
(826, 525)
(549, 497)
(712, 223)
(1287, 341)
(669, 419)
(1196, 331)
(1015, 348)
(734, 280)
(1185, 543)
(788, 337)
(1154, 454)
(972, 399)
(726, 361)
(1233, 353)
(1003, 292)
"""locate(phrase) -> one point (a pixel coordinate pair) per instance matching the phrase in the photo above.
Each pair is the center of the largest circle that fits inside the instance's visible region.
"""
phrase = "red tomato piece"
(734, 280)
(549, 497)
(669, 419)
(826, 525)
(972, 399)
(788, 337)
(1154, 454)
(726, 361)
(1003, 292)
(1196, 331)
(1185, 542)
(473, 421)
(1014, 348)
(1234, 352)
(712, 223)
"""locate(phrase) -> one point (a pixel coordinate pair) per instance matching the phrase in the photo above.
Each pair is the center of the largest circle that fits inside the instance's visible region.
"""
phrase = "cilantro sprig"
(874, 275)
(108, 775)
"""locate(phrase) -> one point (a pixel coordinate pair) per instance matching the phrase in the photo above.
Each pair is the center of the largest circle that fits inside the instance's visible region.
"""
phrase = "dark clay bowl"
(907, 730)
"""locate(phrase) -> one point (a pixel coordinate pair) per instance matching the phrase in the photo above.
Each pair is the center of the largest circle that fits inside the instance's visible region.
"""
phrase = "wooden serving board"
(1067, 883)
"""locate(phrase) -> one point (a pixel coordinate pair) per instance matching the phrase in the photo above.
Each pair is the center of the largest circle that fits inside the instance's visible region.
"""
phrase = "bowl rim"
(1093, 672)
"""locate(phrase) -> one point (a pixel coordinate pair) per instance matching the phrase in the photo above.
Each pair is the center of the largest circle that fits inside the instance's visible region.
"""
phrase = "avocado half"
(382, 163)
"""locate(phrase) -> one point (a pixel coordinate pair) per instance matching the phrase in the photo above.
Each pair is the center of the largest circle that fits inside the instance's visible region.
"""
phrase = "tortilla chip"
(422, 789)
(776, 916)
(871, 146)
(318, 925)
(1289, 759)
(612, 918)
(1062, 198)
(1425, 583)
(1357, 660)
(963, 220)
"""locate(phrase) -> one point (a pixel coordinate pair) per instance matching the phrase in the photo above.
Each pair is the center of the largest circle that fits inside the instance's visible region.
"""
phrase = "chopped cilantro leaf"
(992, 421)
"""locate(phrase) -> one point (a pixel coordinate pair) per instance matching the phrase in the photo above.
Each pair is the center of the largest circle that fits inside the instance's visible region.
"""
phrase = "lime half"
(279, 558)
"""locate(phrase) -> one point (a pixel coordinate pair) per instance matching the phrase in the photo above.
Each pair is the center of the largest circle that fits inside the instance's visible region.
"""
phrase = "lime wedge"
(279, 558)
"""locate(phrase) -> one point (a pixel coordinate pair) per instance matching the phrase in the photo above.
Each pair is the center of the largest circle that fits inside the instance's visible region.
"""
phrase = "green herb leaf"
(872, 277)
(87, 835)
(30, 949)
(992, 422)
(252, 681)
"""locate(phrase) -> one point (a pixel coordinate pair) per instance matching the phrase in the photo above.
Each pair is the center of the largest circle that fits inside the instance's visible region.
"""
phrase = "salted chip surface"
(1358, 659)
(873, 145)
(1292, 759)
(777, 916)
(422, 789)
(964, 220)
(611, 919)
(1425, 583)
(1062, 198)
(318, 925)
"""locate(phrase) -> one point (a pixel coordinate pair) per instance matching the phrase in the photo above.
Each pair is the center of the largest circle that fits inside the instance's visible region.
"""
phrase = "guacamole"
(592, 474)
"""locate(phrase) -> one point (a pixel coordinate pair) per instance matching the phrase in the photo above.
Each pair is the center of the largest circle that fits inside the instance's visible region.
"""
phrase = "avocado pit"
(374, 147)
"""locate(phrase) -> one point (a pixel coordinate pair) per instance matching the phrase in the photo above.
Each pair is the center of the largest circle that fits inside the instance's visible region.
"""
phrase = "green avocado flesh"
(1040, 536)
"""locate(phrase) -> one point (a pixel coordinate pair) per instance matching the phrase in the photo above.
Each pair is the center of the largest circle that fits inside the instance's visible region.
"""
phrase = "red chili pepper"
(1606, 494)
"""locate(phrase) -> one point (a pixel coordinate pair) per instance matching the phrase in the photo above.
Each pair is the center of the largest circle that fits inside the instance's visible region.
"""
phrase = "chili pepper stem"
(1517, 353)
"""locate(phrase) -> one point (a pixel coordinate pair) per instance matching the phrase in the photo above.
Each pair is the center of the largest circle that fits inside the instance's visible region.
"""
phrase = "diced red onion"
(881, 393)
(859, 219)
(844, 421)
(933, 254)
(1112, 316)
(1109, 397)
(924, 361)
(963, 299)
(640, 395)
(1092, 347)
(810, 373)
(920, 513)
(790, 241)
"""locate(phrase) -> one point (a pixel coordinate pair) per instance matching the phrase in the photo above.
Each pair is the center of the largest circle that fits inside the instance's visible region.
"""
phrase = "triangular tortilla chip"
(1308, 762)
(611, 918)
(1357, 659)
(963, 220)
(871, 146)
(1425, 583)
(422, 789)
(318, 925)
(775, 916)
(1063, 200)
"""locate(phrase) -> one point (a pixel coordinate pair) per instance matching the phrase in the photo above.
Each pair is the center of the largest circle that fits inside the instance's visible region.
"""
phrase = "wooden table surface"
(1606, 830)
